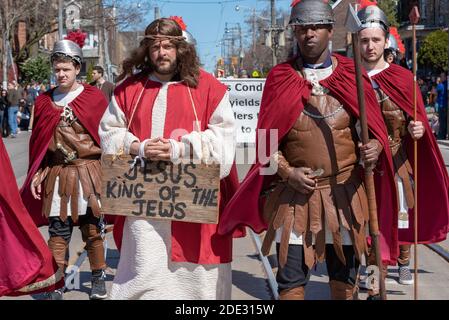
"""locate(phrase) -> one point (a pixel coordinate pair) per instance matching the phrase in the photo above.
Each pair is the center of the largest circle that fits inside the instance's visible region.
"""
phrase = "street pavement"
(250, 273)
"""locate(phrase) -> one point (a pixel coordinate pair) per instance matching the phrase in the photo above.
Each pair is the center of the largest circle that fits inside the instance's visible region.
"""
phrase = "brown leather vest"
(396, 122)
(323, 136)
(394, 119)
(73, 157)
(71, 139)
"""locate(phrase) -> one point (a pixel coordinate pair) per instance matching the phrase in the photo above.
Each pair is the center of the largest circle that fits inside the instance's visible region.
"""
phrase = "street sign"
(255, 74)
(418, 27)
(245, 96)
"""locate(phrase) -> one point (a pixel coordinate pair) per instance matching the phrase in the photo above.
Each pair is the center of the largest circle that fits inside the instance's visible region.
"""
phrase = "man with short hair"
(14, 98)
(98, 81)
(315, 206)
(63, 183)
(393, 85)
(180, 111)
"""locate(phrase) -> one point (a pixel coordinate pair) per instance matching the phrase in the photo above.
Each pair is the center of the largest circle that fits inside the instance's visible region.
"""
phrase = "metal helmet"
(307, 12)
(392, 48)
(373, 17)
(392, 43)
(189, 38)
(69, 49)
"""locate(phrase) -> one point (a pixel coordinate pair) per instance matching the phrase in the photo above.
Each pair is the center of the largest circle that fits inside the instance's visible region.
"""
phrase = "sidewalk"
(443, 142)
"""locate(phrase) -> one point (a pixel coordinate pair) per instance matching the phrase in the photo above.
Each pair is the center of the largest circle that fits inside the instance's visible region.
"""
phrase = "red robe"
(283, 100)
(24, 254)
(433, 180)
(88, 107)
(191, 242)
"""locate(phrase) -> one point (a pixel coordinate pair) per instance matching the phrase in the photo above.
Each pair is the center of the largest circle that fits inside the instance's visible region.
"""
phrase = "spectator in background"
(442, 105)
(42, 89)
(35, 92)
(243, 74)
(105, 86)
(433, 95)
(14, 97)
(3, 111)
(423, 88)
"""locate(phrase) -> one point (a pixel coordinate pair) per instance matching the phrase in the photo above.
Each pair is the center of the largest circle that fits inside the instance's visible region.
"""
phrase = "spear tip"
(414, 15)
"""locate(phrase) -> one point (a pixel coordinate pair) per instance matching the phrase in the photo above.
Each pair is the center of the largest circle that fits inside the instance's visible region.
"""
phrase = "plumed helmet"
(307, 12)
(392, 43)
(373, 17)
(69, 49)
(189, 38)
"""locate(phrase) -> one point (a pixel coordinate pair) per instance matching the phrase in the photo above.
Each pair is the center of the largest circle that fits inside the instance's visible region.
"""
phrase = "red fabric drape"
(24, 254)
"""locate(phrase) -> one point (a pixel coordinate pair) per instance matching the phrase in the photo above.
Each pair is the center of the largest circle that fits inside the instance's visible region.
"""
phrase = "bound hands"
(416, 129)
(161, 149)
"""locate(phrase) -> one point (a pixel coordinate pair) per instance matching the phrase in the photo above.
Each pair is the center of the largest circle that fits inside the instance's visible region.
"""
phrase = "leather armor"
(74, 157)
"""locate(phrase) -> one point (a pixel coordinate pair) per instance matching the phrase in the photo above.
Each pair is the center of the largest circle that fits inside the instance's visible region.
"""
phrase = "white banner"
(245, 96)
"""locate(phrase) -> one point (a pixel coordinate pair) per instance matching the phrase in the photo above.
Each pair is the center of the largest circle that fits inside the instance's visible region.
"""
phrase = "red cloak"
(191, 242)
(433, 180)
(88, 107)
(283, 100)
(25, 257)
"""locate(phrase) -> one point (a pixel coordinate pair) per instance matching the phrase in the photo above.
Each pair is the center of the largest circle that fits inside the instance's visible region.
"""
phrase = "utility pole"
(254, 36)
(5, 40)
(60, 22)
(105, 30)
(99, 27)
(241, 54)
(273, 32)
(157, 13)
(232, 48)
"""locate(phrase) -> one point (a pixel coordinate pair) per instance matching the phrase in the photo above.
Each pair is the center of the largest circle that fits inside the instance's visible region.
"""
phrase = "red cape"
(286, 93)
(25, 257)
(88, 107)
(191, 242)
(433, 180)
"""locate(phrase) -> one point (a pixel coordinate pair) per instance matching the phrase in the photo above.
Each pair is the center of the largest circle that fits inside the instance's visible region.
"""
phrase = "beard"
(168, 68)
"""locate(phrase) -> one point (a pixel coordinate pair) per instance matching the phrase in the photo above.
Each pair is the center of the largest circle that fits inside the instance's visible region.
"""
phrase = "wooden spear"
(414, 19)
(353, 24)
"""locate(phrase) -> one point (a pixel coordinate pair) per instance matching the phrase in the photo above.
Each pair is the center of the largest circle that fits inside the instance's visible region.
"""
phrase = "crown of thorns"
(164, 37)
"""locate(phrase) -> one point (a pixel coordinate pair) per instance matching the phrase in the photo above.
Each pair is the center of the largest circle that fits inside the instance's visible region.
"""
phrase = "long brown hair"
(188, 66)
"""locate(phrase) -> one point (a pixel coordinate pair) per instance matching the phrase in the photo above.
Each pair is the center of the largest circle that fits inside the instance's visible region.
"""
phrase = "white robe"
(145, 270)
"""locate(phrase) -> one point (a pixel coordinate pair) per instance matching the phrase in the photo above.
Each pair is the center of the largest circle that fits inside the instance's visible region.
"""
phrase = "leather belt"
(352, 175)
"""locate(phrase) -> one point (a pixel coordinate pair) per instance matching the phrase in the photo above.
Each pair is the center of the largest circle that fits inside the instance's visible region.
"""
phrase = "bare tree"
(10, 14)
(41, 20)
(38, 17)
(110, 15)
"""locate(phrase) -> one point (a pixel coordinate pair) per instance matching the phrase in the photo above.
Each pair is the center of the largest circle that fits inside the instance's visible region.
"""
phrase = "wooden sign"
(160, 190)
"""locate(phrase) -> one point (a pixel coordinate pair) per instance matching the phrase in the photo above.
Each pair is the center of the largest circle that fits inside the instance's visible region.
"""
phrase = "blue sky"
(206, 19)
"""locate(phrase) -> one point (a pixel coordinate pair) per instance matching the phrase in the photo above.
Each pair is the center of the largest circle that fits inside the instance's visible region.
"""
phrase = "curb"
(443, 142)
